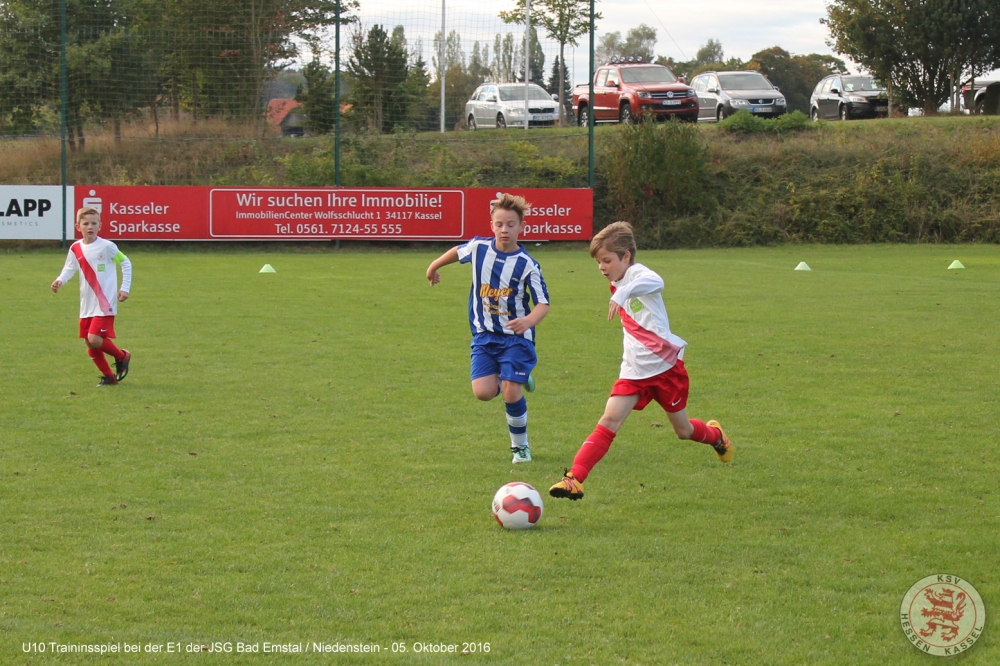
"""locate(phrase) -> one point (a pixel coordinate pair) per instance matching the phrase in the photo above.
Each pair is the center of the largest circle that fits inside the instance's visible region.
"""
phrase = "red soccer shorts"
(669, 388)
(102, 326)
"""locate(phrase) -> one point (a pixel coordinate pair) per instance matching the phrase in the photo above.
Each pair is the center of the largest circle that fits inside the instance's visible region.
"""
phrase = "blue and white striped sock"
(517, 423)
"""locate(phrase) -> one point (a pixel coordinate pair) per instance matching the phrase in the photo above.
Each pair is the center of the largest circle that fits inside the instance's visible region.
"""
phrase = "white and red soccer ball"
(517, 506)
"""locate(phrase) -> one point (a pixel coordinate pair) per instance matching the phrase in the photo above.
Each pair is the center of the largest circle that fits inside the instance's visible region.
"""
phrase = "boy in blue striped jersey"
(505, 280)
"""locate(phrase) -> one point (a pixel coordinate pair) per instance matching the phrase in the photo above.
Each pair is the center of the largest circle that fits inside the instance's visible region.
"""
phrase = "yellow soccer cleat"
(569, 487)
(724, 449)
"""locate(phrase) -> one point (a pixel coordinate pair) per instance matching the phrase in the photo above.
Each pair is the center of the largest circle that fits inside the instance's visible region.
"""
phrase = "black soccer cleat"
(107, 380)
(121, 367)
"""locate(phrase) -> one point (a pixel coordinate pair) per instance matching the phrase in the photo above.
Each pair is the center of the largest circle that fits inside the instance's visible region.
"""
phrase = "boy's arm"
(529, 320)
(540, 294)
(449, 257)
(646, 283)
(69, 269)
(126, 276)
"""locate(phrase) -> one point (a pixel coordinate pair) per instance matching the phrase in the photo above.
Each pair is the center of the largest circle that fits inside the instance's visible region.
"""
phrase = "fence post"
(527, 60)
(62, 110)
(336, 101)
(441, 67)
(590, 101)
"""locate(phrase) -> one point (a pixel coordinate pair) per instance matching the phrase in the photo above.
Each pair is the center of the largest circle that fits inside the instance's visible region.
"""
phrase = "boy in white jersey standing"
(500, 314)
(96, 258)
(652, 363)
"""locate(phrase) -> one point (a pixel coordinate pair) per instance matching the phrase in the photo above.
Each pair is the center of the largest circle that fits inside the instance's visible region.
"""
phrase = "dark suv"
(846, 97)
(721, 94)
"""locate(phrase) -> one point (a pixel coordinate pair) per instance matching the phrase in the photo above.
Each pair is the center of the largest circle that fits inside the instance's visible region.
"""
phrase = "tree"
(317, 97)
(709, 53)
(710, 57)
(124, 56)
(378, 69)
(503, 67)
(563, 20)
(536, 63)
(919, 49)
(459, 82)
(795, 75)
(479, 62)
(640, 42)
(608, 46)
(566, 93)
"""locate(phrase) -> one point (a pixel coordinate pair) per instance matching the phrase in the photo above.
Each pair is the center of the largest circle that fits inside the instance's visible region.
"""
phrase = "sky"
(742, 26)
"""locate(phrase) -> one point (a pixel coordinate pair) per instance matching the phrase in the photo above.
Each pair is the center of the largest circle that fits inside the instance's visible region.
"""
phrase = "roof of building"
(279, 108)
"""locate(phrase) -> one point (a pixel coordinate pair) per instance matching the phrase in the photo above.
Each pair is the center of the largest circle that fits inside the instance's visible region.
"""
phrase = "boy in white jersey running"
(652, 363)
(96, 258)
(500, 315)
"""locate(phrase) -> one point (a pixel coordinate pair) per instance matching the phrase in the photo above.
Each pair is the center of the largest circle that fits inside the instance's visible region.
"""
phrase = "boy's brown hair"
(617, 237)
(508, 201)
(87, 210)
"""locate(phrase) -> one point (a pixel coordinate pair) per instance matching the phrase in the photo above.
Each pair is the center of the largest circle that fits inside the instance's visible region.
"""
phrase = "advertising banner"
(34, 212)
(327, 213)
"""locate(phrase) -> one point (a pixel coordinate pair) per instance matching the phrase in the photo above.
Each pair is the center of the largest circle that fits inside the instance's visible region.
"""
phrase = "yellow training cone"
(956, 264)
(803, 266)
(268, 268)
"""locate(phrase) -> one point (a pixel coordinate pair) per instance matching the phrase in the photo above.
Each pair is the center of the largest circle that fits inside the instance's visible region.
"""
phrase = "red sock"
(591, 452)
(109, 347)
(705, 434)
(100, 361)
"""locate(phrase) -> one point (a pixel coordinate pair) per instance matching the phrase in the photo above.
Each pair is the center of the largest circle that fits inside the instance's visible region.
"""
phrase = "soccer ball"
(517, 506)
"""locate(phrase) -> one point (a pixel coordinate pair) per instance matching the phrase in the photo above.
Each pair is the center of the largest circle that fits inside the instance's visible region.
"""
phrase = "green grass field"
(298, 458)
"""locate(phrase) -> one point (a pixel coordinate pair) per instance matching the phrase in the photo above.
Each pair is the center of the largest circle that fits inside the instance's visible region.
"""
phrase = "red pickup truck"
(624, 91)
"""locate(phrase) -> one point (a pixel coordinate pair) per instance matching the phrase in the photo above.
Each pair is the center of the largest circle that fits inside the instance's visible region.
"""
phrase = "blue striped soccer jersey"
(502, 284)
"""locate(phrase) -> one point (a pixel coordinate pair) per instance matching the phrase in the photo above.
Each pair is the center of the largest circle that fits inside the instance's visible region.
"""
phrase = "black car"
(721, 94)
(845, 97)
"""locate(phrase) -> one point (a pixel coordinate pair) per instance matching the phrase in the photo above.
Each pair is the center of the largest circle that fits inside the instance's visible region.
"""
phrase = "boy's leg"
(121, 356)
(595, 447)
(707, 433)
(94, 344)
(485, 372)
(100, 361)
(517, 361)
(517, 420)
(486, 388)
(109, 347)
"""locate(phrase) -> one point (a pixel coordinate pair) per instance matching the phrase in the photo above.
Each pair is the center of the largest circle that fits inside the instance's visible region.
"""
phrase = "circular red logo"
(942, 615)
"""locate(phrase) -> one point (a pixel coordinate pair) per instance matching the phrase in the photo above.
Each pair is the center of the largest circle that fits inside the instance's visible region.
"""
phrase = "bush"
(744, 122)
(655, 171)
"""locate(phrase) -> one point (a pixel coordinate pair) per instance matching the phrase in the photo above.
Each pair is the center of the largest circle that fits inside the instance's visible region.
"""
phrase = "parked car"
(977, 97)
(721, 94)
(627, 90)
(501, 105)
(845, 97)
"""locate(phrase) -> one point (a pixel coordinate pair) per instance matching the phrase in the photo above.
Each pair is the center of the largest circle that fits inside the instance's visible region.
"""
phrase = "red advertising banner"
(136, 212)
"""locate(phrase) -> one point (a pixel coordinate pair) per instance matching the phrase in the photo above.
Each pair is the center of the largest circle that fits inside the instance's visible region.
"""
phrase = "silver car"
(721, 94)
(501, 105)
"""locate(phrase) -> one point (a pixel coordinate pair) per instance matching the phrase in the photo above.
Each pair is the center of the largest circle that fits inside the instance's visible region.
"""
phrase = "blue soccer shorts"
(510, 356)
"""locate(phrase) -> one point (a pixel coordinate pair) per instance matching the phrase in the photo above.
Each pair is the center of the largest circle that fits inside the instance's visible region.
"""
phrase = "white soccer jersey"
(650, 347)
(98, 276)
(501, 283)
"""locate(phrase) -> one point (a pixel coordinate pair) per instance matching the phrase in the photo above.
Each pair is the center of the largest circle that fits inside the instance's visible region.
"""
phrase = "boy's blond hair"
(617, 237)
(508, 201)
(87, 210)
